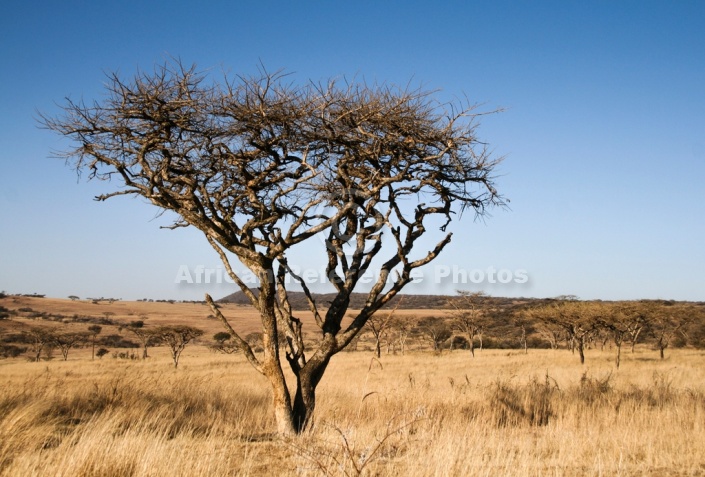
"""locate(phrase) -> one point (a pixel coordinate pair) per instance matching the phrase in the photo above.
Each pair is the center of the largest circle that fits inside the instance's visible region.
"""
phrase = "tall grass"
(418, 415)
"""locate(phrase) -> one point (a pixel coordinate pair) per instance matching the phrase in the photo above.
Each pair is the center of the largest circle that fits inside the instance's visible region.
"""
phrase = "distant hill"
(357, 301)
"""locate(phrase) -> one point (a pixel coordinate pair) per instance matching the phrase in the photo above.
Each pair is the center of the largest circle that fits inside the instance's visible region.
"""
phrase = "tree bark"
(619, 354)
(581, 350)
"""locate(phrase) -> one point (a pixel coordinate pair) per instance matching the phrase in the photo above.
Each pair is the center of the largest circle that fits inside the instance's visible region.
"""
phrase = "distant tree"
(224, 343)
(436, 330)
(94, 330)
(146, 336)
(176, 338)
(378, 325)
(468, 316)
(402, 329)
(261, 165)
(221, 336)
(576, 318)
(39, 338)
(551, 332)
(73, 297)
(101, 352)
(666, 321)
(68, 340)
(623, 322)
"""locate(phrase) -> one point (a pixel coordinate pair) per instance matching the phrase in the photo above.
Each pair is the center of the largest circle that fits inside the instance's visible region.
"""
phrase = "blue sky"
(603, 133)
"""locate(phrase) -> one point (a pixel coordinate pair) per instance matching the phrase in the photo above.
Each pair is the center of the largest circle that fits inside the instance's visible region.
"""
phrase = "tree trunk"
(581, 350)
(378, 348)
(661, 349)
(619, 353)
(305, 398)
(472, 347)
(281, 401)
(304, 405)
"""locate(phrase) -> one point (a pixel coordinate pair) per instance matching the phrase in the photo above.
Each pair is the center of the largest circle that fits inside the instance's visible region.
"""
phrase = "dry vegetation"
(502, 413)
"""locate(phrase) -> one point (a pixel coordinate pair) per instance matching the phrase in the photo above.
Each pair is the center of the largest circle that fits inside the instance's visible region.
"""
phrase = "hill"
(357, 301)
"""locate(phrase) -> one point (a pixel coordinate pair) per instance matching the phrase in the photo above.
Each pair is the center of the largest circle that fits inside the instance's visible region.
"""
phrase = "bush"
(115, 341)
(524, 404)
(101, 352)
(11, 351)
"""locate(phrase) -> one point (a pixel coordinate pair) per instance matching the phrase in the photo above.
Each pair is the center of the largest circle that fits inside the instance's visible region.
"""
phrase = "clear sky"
(603, 133)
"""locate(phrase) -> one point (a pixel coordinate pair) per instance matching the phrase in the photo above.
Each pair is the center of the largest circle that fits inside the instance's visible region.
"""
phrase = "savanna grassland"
(419, 414)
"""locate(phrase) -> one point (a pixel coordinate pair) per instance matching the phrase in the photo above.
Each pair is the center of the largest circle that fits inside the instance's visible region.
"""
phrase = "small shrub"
(592, 390)
(530, 404)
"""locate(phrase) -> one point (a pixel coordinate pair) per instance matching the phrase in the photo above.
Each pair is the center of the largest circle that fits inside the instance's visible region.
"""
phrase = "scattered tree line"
(38, 340)
(476, 321)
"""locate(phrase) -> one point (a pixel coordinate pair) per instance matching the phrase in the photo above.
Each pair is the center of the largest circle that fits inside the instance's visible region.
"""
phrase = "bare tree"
(68, 340)
(550, 332)
(261, 165)
(378, 325)
(666, 321)
(576, 318)
(176, 338)
(39, 338)
(624, 321)
(402, 329)
(436, 330)
(468, 316)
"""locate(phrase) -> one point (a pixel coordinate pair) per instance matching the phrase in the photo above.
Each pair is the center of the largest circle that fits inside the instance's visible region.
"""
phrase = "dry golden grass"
(502, 413)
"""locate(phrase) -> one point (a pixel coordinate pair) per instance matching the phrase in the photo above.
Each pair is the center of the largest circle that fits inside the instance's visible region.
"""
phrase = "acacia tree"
(576, 318)
(66, 341)
(379, 326)
(94, 331)
(625, 321)
(39, 338)
(176, 338)
(666, 321)
(146, 336)
(468, 319)
(402, 329)
(261, 165)
(436, 330)
(223, 343)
